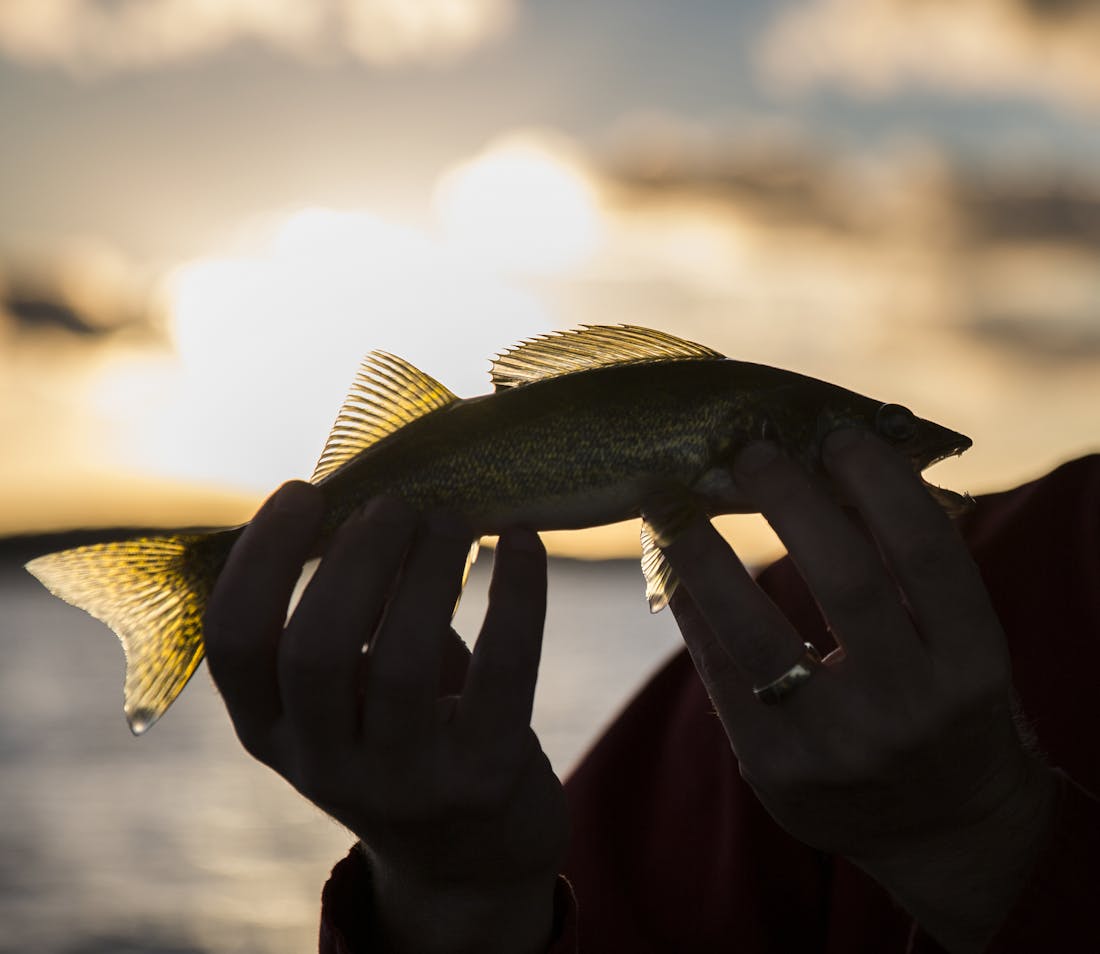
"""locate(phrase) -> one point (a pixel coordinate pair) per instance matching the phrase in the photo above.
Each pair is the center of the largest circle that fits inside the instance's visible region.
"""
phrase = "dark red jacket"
(672, 852)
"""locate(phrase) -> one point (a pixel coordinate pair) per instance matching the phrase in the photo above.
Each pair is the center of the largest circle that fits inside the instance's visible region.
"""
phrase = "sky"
(210, 211)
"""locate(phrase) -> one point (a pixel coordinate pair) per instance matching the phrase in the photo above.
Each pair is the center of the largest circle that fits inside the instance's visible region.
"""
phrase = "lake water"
(178, 843)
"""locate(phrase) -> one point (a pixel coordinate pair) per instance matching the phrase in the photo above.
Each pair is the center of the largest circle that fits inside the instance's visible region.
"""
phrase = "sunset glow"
(268, 341)
(519, 207)
(212, 210)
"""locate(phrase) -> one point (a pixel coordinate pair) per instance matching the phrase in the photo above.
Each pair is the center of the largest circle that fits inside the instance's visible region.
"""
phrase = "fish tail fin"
(152, 591)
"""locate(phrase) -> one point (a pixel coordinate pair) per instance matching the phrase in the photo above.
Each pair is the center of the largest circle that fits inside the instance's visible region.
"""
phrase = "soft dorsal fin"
(387, 394)
(588, 347)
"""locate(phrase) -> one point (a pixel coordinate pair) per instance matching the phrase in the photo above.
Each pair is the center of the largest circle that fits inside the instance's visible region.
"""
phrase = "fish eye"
(895, 422)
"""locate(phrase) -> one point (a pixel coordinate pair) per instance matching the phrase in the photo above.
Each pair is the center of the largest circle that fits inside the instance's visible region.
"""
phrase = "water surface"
(179, 843)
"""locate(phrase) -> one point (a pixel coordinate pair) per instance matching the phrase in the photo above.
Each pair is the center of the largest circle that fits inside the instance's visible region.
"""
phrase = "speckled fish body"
(587, 448)
(584, 428)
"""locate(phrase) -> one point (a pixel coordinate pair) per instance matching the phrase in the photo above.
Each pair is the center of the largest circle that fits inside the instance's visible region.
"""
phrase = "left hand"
(424, 751)
(901, 751)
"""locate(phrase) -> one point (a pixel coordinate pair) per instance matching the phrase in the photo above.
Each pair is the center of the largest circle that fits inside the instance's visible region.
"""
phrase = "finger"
(456, 660)
(843, 569)
(500, 683)
(405, 658)
(727, 685)
(926, 555)
(321, 653)
(747, 625)
(247, 609)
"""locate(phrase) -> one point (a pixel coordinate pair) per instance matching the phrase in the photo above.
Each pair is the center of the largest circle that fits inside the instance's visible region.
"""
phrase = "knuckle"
(715, 666)
(855, 593)
(782, 486)
(383, 736)
(925, 556)
(298, 655)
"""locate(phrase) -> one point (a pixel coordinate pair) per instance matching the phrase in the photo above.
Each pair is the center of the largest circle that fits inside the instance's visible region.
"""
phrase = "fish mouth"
(953, 504)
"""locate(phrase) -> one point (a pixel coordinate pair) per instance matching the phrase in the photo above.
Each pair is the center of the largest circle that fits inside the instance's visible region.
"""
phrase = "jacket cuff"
(1058, 904)
(1055, 910)
(347, 911)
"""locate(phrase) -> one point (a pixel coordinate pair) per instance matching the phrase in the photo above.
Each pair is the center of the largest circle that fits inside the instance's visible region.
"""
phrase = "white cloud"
(985, 47)
(92, 37)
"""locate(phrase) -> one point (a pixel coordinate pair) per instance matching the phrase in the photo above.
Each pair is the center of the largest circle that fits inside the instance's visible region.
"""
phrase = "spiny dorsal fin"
(586, 348)
(387, 394)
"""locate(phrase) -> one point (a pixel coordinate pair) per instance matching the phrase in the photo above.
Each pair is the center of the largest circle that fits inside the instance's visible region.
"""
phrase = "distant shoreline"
(19, 548)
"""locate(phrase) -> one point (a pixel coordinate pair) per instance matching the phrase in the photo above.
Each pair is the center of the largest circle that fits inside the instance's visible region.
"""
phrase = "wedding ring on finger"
(778, 689)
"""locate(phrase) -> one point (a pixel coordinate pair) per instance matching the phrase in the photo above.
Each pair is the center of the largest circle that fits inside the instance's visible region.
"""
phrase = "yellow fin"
(660, 578)
(664, 518)
(146, 592)
(589, 347)
(387, 394)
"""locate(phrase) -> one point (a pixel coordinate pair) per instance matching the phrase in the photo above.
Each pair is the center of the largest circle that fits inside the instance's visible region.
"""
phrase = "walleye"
(584, 427)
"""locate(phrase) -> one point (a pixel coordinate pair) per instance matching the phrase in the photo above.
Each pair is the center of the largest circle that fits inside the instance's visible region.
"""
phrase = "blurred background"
(210, 211)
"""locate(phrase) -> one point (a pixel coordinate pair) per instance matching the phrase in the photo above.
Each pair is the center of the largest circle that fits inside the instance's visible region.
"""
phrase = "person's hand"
(900, 751)
(423, 751)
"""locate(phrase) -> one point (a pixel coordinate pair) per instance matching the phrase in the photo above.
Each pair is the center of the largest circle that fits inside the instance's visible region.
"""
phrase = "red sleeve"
(1056, 906)
(345, 919)
(671, 850)
(1039, 551)
(346, 911)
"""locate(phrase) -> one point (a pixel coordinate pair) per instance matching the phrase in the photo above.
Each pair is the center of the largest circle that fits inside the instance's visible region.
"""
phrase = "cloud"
(89, 37)
(84, 286)
(1048, 49)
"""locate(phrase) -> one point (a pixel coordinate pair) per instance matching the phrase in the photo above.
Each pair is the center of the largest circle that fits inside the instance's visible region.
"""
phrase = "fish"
(583, 427)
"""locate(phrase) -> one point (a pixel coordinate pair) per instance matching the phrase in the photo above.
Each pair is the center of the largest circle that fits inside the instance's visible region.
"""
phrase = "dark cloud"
(1034, 336)
(1057, 9)
(810, 185)
(56, 295)
(33, 312)
(1057, 213)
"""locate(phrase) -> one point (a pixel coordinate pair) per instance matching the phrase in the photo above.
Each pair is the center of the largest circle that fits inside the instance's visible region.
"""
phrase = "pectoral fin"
(661, 524)
(660, 578)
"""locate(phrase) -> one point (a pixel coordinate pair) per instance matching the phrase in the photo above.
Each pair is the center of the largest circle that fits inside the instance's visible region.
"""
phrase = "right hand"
(422, 750)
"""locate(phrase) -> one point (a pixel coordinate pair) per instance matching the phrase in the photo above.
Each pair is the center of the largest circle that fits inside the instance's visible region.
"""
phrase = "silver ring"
(778, 689)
